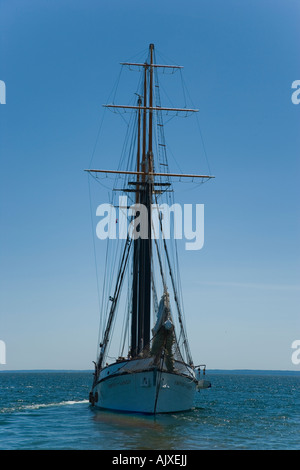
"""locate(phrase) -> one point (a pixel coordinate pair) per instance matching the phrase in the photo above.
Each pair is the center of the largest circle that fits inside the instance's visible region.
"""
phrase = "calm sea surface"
(50, 410)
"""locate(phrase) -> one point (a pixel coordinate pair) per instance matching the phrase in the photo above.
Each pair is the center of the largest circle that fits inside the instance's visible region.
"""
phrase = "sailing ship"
(155, 372)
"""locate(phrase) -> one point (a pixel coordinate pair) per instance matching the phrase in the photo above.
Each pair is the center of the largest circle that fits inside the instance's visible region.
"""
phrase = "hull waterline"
(126, 388)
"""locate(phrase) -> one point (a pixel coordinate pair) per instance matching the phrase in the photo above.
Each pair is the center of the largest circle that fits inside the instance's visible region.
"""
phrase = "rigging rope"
(180, 316)
(114, 302)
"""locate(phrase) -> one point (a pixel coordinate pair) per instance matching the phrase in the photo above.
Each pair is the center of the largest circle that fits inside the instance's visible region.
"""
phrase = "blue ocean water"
(50, 410)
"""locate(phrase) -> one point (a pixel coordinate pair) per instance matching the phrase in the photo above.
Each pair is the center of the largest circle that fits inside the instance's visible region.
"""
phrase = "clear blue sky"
(59, 60)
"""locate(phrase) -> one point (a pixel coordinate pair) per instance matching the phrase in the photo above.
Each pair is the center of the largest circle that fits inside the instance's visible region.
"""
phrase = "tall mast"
(144, 258)
(144, 187)
(148, 204)
(141, 282)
